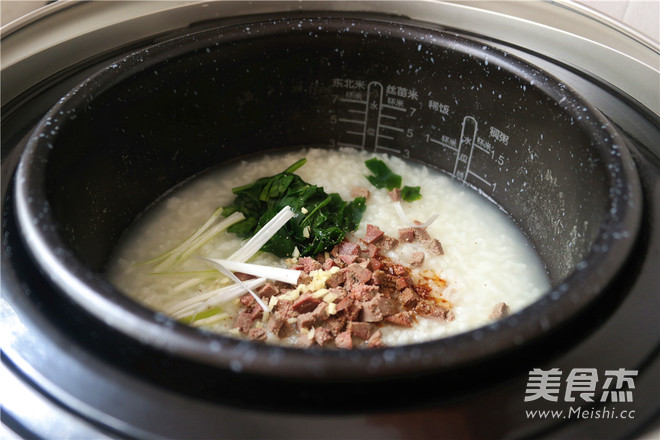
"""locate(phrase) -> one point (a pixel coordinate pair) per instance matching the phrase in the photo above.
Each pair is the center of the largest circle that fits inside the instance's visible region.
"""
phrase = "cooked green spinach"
(384, 177)
(411, 193)
(321, 221)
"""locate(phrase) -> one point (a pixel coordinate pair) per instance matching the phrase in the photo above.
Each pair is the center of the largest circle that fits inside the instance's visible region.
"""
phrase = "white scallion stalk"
(201, 274)
(186, 284)
(210, 320)
(195, 241)
(192, 278)
(235, 279)
(212, 298)
(272, 273)
(427, 223)
(404, 219)
(217, 213)
(260, 238)
(204, 238)
(402, 215)
(195, 304)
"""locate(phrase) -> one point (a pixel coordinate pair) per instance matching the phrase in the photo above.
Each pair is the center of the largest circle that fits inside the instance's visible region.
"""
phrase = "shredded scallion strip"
(235, 279)
(260, 238)
(427, 223)
(202, 274)
(216, 214)
(203, 315)
(272, 273)
(200, 322)
(404, 219)
(195, 241)
(197, 303)
(186, 284)
(212, 298)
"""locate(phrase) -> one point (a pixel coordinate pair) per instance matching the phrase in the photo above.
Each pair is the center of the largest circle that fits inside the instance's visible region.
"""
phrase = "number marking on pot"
(465, 149)
(371, 124)
(378, 117)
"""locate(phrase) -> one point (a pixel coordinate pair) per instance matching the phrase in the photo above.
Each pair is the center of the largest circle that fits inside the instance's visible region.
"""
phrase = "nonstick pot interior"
(149, 121)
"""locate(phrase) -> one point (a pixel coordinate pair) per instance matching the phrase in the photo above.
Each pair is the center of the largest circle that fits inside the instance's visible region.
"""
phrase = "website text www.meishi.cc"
(592, 394)
(580, 412)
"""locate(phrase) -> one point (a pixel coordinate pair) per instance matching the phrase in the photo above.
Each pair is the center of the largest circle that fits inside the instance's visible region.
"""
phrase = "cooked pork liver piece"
(417, 259)
(375, 340)
(501, 310)
(257, 334)
(365, 291)
(362, 330)
(395, 194)
(322, 336)
(358, 191)
(344, 340)
(371, 311)
(407, 235)
(373, 234)
(404, 319)
(306, 303)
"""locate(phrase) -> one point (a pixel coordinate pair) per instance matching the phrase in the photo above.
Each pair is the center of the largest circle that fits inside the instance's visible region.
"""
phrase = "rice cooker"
(546, 109)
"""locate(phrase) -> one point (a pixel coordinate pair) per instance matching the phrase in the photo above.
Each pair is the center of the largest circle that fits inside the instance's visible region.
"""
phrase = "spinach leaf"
(321, 221)
(382, 176)
(410, 193)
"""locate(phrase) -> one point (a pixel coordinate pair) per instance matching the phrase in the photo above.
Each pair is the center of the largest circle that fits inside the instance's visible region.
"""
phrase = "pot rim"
(94, 294)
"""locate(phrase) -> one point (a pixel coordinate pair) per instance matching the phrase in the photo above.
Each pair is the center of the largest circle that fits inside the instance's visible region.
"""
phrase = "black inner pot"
(148, 122)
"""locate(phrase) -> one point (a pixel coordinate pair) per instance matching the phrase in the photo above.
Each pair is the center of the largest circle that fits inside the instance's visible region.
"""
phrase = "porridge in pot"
(361, 250)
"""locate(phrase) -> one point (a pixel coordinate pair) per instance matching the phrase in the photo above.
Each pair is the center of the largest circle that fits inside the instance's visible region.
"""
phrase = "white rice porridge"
(486, 259)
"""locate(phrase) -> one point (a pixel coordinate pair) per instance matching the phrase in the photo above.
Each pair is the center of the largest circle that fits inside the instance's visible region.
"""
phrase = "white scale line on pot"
(393, 107)
(353, 101)
(373, 104)
(480, 178)
(443, 144)
(469, 126)
(345, 144)
(374, 120)
(479, 147)
(389, 127)
(362, 121)
(391, 150)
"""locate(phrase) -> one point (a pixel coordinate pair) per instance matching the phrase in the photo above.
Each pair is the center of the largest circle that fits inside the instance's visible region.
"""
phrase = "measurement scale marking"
(483, 149)
(354, 101)
(465, 140)
(389, 127)
(345, 144)
(372, 108)
(480, 178)
(369, 119)
(469, 162)
(391, 150)
(393, 107)
(443, 144)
